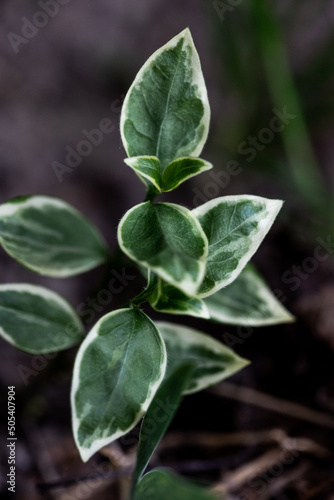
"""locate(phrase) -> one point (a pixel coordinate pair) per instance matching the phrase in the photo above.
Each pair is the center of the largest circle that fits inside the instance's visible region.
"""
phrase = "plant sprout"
(196, 263)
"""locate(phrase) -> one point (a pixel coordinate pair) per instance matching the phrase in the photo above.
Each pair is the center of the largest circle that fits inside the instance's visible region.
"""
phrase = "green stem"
(144, 295)
(151, 194)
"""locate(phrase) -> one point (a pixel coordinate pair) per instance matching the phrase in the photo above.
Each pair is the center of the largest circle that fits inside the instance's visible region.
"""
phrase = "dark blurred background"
(65, 65)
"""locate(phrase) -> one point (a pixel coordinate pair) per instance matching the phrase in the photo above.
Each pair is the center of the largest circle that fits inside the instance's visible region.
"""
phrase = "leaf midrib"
(168, 239)
(167, 105)
(6, 237)
(109, 366)
(234, 303)
(34, 317)
(229, 233)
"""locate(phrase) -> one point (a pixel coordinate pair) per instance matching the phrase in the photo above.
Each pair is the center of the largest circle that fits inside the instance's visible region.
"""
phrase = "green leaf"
(166, 111)
(150, 171)
(37, 320)
(181, 170)
(165, 485)
(117, 372)
(168, 239)
(212, 361)
(235, 227)
(50, 237)
(147, 168)
(247, 301)
(159, 416)
(167, 299)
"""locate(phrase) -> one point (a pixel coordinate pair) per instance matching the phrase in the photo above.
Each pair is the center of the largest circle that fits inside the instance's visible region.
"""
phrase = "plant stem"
(143, 296)
(151, 194)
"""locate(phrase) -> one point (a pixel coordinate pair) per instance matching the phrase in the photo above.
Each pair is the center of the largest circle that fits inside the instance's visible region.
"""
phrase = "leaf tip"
(287, 317)
(242, 363)
(85, 455)
(276, 205)
(186, 33)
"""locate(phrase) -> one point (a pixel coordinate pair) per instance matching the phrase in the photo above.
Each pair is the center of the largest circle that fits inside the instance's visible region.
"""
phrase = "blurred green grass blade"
(303, 164)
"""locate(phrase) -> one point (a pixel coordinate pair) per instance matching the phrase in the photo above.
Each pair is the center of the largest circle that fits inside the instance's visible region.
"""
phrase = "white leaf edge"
(87, 453)
(46, 294)
(190, 336)
(9, 208)
(273, 207)
(131, 162)
(279, 313)
(188, 286)
(198, 79)
(206, 166)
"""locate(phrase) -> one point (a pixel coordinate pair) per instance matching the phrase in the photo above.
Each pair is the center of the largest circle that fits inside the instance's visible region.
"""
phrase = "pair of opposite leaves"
(164, 126)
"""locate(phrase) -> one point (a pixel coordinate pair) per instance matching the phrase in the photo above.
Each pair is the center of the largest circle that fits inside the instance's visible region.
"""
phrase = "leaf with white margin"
(50, 237)
(166, 112)
(147, 168)
(248, 301)
(235, 227)
(150, 171)
(212, 361)
(117, 371)
(168, 239)
(180, 170)
(167, 299)
(37, 320)
(165, 485)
